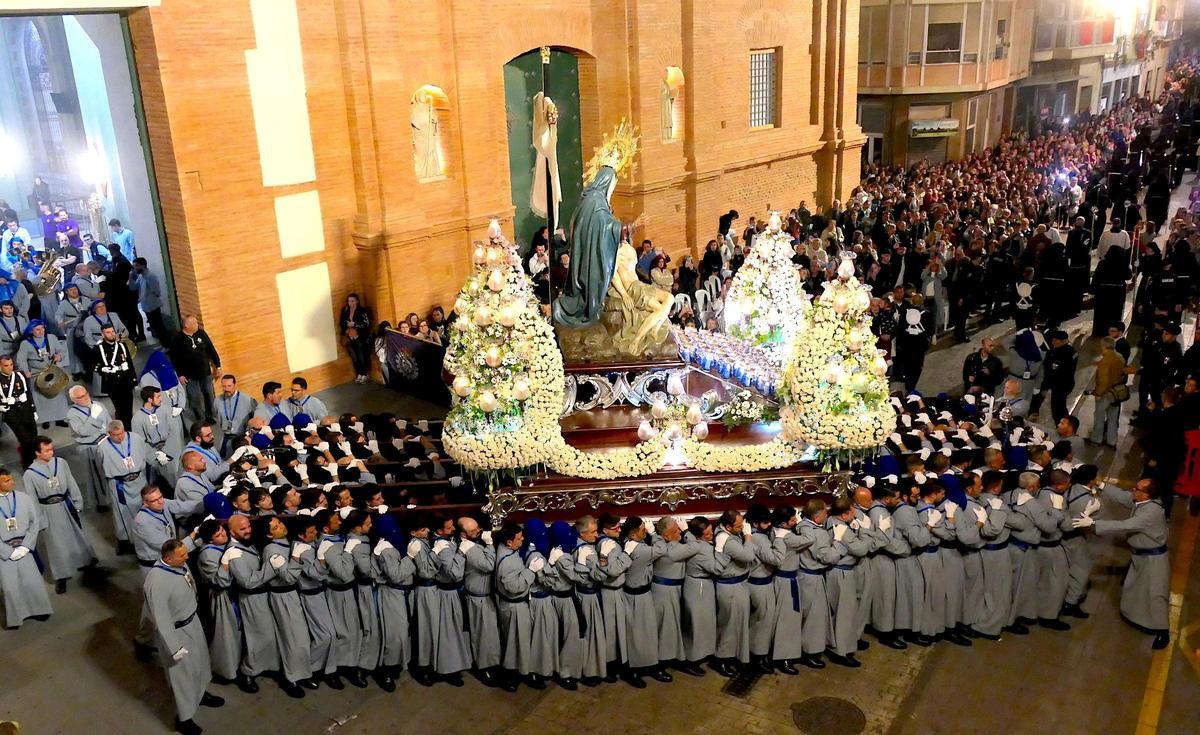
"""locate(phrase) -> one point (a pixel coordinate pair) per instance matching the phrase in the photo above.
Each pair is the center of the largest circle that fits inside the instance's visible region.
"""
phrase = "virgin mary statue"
(595, 238)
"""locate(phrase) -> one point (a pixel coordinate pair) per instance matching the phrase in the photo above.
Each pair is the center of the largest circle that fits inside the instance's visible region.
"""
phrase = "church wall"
(404, 244)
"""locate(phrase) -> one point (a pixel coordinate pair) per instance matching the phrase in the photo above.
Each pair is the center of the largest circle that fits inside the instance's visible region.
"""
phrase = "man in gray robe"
(841, 583)
(864, 570)
(225, 647)
(342, 595)
(733, 599)
(395, 574)
(1024, 538)
(203, 441)
(969, 522)
(123, 457)
(89, 425)
(452, 652)
(50, 481)
(170, 594)
(356, 524)
(764, 612)
(820, 552)
(514, 582)
(154, 524)
(953, 573)
(426, 608)
(20, 579)
(545, 635)
(787, 643)
(933, 615)
(1145, 593)
(37, 352)
(71, 310)
(250, 578)
(310, 583)
(641, 620)
(1053, 569)
(698, 616)
(291, 628)
(582, 566)
(479, 564)
(613, 564)
(192, 484)
(910, 579)
(1081, 499)
(885, 572)
(670, 555)
(995, 562)
(152, 422)
(234, 409)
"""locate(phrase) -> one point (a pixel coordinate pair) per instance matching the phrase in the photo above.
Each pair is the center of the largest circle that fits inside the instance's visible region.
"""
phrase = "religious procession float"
(607, 404)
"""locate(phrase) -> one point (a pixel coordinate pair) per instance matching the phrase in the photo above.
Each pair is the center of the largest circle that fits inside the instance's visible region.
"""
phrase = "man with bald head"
(479, 564)
(250, 586)
(89, 424)
(192, 484)
(123, 456)
(864, 571)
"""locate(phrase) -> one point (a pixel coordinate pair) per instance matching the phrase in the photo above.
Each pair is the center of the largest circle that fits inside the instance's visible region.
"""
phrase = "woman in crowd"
(660, 276)
(688, 276)
(355, 322)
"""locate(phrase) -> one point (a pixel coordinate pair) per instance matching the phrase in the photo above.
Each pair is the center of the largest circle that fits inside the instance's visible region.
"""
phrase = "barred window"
(763, 92)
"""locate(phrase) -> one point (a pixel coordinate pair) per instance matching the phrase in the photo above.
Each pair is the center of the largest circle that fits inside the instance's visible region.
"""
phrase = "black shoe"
(211, 700)
(724, 668)
(1017, 629)
(93, 575)
(292, 690)
(1162, 639)
(454, 680)
(510, 683)
(310, 683)
(987, 636)
(43, 618)
(487, 678)
(533, 681)
(60, 586)
(634, 679)
(247, 684)
(591, 681)
(611, 676)
(863, 645)
(1053, 624)
(786, 668)
(957, 639)
(1075, 611)
(187, 727)
(124, 547)
(385, 681)
(689, 668)
(569, 684)
(45, 424)
(333, 681)
(356, 678)
(848, 660)
(916, 639)
(661, 674)
(61, 423)
(893, 641)
(143, 652)
(967, 631)
(218, 679)
(812, 661)
(421, 676)
(1027, 621)
(765, 666)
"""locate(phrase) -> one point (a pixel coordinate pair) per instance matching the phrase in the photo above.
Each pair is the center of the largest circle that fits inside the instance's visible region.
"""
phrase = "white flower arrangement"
(835, 386)
(779, 452)
(766, 303)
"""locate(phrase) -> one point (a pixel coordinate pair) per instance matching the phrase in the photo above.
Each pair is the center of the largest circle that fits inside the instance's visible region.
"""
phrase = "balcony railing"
(1074, 34)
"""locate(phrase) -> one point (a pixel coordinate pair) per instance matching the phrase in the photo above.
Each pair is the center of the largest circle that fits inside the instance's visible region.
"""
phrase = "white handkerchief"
(839, 531)
(95, 410)
(630, 546)
(722, 538)
(933, 518)
(865, 521)
(536, 564)
(352, 544)
(607, 547)
(414, 548)
(440, 545)
(951, 509)
(1058, 501)
(996, 502)
(465, 546)
(555, 554)
(583, 554)
(382, 546)
(885, 524)
(980, 514)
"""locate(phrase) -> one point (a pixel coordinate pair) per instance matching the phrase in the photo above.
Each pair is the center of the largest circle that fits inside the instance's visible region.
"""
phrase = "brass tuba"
(49, 276)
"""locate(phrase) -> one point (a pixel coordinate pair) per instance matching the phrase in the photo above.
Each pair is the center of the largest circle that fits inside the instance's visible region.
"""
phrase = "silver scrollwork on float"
(610, 389)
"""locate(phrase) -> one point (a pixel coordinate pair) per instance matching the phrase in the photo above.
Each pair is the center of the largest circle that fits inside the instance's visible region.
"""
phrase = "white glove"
(252, 478)
(162, 457)
(423, 425)
(722, 538)
(1058, 501)
(839, 531)
(465, 545)
(607, 547)
(555, 554)
(230, 555)
(885, 524)
(747, 531)
(1023, 498)
(352, 544)
(323, 549)
(980, 514)
(323, 447)
(487, 537)
(865, 521)
(1092, 506)
(951, 508)
(780, 533)
(277, 562)
(18, 553)
(382, 546)
(414, 548)
(95, 410)
(933, 518)
(178, 655)
(413, 462)
(649, 526)
(381, 509)
(585, 553)
(299, 548)
(536, 564)
(344, 447)
(996, 502)
(855, 524)
(1083, 522)
(630, 546)
(440, 545)
(176, 411)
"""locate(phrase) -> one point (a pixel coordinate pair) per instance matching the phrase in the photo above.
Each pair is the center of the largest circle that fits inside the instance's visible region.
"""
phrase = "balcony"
(1073, 39)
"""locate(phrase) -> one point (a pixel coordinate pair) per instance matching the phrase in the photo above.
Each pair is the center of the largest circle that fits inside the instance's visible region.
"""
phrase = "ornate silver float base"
(547, 494)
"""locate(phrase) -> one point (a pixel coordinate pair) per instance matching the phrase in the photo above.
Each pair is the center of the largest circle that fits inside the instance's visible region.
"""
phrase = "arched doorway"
(523, 80)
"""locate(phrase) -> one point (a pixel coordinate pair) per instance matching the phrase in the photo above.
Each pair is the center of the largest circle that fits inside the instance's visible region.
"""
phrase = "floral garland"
(835, 389)
(779, 452)
(765, 306)
(644, 458)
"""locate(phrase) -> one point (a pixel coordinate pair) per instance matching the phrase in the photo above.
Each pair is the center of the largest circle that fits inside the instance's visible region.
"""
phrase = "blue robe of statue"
(595, 237)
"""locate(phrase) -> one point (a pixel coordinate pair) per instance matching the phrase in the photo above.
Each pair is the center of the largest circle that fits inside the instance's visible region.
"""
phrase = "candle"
(700, 431)
(496, 280)
(521, 389)
(487, 401)
(493, 357)
(483, 316)
(508, 315)
(675, 385)
(480, 255)
(462, 386)
(694, 414)
(658, 409)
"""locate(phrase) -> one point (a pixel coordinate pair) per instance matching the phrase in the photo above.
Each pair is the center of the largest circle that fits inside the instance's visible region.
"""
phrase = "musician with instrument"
(16, 405)
(40, 357)
(92, 331)
(12, 326)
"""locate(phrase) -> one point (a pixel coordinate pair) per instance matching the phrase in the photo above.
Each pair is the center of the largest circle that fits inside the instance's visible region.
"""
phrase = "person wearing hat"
(50, 482)
(171, 604)
(14, 233)
(12, 328)
(1161, 361)
(69, 316)
(1059, 375)
(38, 351)
(115, 369)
